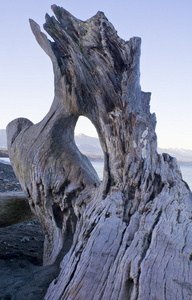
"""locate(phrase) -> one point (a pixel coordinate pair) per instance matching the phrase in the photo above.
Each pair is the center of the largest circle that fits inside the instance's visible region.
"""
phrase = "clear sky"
(165, 26)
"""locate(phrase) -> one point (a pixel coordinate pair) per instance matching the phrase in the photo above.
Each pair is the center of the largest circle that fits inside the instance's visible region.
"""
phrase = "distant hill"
(91, 147)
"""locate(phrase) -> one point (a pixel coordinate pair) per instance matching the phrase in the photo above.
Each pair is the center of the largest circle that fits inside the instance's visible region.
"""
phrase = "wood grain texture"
(130, 236)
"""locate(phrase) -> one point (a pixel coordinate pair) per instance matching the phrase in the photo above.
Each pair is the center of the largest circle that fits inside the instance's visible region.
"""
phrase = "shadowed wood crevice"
(122, 238)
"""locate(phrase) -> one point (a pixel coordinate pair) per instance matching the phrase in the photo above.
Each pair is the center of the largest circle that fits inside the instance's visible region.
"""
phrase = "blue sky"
(165, 26)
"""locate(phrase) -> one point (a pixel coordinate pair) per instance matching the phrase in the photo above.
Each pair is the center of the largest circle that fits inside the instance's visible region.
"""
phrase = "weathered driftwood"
(14, 208)
(129, 237)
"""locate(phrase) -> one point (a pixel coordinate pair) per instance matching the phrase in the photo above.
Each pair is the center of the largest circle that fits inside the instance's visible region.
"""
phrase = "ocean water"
(98, 166)
(186, 170)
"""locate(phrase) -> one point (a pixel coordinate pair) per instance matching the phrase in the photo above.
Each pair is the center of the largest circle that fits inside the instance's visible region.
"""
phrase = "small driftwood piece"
(129, 237)
(14, 208)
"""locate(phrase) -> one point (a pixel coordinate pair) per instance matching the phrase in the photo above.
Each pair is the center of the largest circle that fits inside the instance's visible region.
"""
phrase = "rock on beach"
(8, 180)
(22, 275)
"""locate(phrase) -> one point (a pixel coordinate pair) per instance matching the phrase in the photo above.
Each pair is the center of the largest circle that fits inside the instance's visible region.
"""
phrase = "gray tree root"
(130, 236)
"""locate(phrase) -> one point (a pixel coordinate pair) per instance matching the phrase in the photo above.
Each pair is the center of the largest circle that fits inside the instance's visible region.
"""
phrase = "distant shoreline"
(99, 158)
(95, 158)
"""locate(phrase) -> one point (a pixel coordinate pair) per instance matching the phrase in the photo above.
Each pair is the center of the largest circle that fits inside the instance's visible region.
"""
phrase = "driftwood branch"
(130, 236)
(14, 208)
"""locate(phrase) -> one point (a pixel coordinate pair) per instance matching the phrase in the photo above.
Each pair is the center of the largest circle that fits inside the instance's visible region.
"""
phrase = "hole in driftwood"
(87, 141)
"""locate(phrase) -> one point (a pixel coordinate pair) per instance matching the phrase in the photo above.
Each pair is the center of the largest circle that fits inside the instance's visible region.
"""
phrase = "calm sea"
(186, 170)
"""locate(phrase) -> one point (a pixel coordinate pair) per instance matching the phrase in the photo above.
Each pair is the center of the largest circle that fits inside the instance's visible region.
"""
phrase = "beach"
(22, 275)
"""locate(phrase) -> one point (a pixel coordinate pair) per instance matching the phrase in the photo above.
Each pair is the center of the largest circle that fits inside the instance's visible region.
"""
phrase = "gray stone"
(14, 208)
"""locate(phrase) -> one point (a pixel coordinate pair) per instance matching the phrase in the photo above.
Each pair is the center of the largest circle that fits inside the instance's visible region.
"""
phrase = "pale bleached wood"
(130, 236)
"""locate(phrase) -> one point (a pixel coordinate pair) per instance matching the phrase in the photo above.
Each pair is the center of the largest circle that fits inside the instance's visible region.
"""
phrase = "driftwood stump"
(129, 237)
